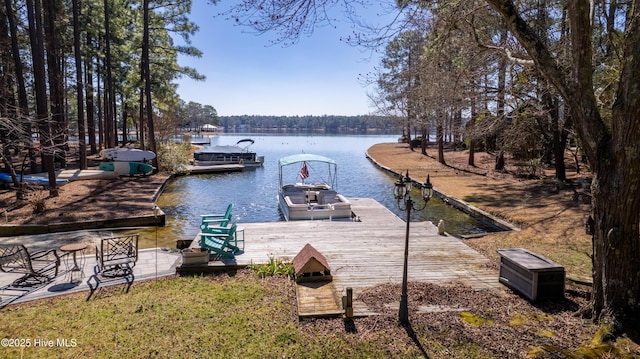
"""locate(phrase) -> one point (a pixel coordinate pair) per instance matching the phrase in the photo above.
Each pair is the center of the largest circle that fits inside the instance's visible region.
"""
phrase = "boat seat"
(292, 190)
(298, 199)
(311, 196)
(328, 197)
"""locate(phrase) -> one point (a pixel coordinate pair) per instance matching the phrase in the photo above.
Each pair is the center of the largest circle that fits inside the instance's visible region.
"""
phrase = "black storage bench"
(531, 274)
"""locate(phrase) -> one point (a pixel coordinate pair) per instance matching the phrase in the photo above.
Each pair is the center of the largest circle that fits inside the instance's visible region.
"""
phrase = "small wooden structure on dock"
(311, 266)
(315, 292)
(362, 254)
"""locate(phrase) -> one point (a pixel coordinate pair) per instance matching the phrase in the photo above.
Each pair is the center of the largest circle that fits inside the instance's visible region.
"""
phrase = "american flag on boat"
(304, 172)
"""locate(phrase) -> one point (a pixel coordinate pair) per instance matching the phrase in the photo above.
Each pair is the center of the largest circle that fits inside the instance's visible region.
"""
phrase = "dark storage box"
(531, 274)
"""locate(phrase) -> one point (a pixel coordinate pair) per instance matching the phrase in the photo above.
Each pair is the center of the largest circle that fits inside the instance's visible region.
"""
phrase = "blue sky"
(248, 74)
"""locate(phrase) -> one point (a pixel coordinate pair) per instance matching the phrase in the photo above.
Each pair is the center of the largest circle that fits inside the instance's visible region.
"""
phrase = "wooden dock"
(362, 254)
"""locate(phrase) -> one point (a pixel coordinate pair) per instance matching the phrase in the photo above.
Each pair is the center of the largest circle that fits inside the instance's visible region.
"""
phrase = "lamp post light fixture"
(402, 192)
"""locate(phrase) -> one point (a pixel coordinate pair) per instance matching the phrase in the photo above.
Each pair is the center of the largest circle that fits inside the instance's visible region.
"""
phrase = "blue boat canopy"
(304, 157)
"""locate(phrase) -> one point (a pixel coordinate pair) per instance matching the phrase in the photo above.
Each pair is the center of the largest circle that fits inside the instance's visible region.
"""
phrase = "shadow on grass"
(350, 326)
(414, 338)
(10, 293)
(117, 279)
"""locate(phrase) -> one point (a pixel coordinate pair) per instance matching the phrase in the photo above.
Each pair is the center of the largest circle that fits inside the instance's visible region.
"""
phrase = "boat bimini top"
(308, 157)
(304, 157)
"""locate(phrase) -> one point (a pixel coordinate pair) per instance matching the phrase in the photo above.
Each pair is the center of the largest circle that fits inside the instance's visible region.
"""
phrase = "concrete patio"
(152, 263)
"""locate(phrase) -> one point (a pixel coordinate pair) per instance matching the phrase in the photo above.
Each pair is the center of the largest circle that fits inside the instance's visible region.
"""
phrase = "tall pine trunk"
(36, 37)
(79, 86)
(500, 100)
(147, 83)
(23, 102)
(440, 135)
(91, 123)
(101, 142)
(54, 69)
(109, 126)
(559, 142)
(470, 130)
(424, 131)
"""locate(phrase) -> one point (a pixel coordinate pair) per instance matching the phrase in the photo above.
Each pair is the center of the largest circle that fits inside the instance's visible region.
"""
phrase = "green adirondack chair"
(220, 219)
(219, 239)
(237, 232)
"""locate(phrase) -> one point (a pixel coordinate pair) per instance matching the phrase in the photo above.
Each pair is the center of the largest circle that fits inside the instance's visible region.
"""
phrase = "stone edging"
(459, 204)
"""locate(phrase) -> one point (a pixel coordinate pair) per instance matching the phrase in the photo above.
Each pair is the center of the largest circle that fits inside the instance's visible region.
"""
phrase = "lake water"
(254, 192)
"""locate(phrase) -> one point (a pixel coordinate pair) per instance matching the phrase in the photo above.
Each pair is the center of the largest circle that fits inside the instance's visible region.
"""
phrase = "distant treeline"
(331, 124)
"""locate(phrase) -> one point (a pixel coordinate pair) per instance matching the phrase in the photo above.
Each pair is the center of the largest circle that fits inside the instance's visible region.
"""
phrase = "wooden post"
(347, 303)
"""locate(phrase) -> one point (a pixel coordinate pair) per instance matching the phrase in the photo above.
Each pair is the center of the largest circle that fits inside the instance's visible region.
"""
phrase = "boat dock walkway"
(361, 254)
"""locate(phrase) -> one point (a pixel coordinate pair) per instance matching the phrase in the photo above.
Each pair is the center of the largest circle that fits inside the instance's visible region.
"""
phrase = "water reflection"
(253, 192)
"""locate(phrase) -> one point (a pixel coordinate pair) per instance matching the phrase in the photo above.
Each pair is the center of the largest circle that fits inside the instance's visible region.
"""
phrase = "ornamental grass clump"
(273, 268)
(38, 201)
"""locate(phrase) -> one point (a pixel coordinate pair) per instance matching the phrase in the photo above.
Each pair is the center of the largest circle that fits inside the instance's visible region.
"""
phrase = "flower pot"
(195, 256)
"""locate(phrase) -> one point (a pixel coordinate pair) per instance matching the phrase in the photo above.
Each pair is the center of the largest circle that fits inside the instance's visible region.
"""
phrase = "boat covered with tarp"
(228, 155)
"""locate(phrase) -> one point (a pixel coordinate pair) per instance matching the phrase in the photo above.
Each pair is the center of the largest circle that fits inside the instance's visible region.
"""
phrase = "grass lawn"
(225, 316)
(239, 315)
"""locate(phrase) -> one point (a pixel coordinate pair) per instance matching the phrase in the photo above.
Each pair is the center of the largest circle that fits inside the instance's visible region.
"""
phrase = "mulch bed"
(84, 200)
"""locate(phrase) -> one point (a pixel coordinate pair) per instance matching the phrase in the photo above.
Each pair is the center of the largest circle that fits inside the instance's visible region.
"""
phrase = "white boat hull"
(257, 163)
(294, 209)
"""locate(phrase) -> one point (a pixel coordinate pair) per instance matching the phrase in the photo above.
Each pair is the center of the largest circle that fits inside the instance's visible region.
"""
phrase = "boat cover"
(221, 149)
(304, 157)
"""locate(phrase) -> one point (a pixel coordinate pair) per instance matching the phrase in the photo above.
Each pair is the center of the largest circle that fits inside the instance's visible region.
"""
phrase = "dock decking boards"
(318, 299)
(367, 253)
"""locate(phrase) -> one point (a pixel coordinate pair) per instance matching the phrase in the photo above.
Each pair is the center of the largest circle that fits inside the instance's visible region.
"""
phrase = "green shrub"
(174, 157)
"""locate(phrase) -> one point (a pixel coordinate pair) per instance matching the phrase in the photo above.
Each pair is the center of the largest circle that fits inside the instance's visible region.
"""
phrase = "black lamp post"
(402, 193)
